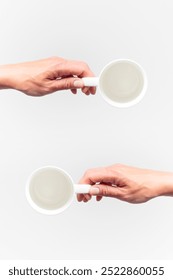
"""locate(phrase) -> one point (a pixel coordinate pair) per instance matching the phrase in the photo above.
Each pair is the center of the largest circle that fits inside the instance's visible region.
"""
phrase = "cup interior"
(122, 82)
(50, 189)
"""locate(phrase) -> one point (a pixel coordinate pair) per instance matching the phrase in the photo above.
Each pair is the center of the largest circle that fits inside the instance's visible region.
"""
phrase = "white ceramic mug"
(122, 83)
(50, 190)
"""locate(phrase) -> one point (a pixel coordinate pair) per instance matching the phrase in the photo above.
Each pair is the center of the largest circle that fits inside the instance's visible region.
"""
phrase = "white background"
(80, 132)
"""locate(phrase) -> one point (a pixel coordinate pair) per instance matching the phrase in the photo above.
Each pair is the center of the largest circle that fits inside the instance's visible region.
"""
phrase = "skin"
(130, 184)
(46, 76)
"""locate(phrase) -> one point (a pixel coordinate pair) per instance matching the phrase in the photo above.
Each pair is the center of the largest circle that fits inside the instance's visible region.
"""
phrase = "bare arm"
(46, 76)
(130, 184)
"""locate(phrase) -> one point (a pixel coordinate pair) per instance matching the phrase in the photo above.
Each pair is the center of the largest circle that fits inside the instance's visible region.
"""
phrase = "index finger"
(75, 68)
(71, 68)
(102, 175)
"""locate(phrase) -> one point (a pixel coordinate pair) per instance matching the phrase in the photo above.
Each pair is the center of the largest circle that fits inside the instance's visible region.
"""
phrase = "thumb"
(69, 83)
(106, 190)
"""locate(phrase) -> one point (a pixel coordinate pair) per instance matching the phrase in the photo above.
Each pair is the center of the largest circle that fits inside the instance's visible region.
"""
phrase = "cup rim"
(138, 98)
(34, 205)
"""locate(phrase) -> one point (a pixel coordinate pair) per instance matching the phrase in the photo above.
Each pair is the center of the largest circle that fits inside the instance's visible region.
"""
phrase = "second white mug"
(50, 190)
(122, 83)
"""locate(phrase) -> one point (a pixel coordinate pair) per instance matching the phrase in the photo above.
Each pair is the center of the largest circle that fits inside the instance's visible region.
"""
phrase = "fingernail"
(94, 191)
(78, 83)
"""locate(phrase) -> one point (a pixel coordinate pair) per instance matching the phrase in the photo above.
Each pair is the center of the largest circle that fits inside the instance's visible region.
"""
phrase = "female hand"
(127, 183)
(46, 76)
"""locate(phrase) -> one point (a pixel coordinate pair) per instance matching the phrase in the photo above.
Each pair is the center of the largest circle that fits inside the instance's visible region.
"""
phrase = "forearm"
(5, 76)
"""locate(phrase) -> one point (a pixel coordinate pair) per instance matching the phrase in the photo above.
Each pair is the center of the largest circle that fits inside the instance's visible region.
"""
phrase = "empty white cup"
(50, 190)
(122, 83)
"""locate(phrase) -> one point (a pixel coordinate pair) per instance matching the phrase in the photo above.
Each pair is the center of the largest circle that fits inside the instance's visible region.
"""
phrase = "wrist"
(5, 77)
(166, 189)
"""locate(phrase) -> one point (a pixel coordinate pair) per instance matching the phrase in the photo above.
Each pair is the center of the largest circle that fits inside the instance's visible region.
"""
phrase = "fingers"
(87, 197)
(103, 190)
(90, 177)
(78, 83)
(98, 197)
(75, 70)
(84, 197)
(109, 182)
(108, 191)
(104, 175)
(71, 68)
(89, 90)
(74, 90)
(71, 83)
(68, 83)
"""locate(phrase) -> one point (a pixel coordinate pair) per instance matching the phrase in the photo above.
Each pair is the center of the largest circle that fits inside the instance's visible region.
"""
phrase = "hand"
(127, 183)
(46, 76)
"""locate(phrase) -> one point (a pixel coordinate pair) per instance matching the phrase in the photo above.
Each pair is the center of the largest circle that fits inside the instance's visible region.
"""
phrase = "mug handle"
(90, 81)
(82, 188)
